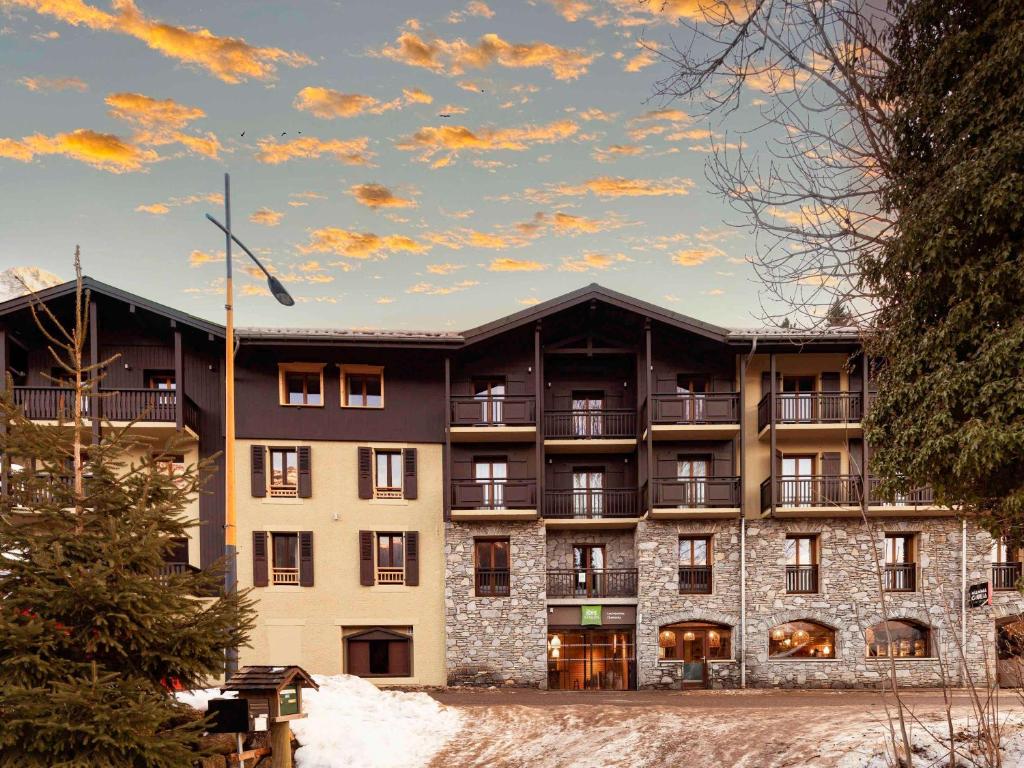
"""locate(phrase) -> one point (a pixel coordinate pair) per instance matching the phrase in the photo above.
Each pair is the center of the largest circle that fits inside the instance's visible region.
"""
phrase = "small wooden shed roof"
(267, 678)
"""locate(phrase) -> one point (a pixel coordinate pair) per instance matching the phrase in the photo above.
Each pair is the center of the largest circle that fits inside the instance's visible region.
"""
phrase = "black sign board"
(229, 715)
(979, 595)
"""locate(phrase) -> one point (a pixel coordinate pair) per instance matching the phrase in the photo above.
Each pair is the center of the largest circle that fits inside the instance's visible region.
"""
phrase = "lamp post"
(281, 294)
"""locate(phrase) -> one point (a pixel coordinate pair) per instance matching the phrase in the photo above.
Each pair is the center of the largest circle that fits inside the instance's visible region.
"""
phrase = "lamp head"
(279, 291)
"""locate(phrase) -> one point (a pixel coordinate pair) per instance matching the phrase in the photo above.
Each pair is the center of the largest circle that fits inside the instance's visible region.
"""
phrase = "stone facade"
(618, 547)
(496, 640)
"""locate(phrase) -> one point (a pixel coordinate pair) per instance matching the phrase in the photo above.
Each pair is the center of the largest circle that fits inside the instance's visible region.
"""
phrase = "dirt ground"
(751, 729)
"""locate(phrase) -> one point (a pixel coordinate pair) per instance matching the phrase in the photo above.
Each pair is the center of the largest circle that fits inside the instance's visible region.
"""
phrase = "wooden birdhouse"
(272, 692)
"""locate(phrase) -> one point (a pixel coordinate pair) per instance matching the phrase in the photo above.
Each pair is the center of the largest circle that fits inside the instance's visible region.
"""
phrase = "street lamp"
(281, 294)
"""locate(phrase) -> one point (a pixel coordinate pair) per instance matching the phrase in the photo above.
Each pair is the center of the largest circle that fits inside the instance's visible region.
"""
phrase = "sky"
(398, 164)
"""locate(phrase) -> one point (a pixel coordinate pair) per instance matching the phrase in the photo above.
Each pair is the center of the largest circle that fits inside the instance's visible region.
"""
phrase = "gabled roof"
(379, 337)
(599, 293)
(95, 287)
(262, 678)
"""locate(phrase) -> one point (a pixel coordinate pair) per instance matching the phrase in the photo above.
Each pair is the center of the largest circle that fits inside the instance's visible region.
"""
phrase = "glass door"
(797, 481)
(491, 394)
(587, 492)
(693, 391)
(591, 660)
(797, 399)
(492, 475)
(588, 570)
(692, 471)
(587, 414)
(693, 650)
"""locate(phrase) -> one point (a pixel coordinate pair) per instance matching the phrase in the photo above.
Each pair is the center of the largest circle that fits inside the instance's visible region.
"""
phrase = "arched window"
(801, 640)
(900, 638)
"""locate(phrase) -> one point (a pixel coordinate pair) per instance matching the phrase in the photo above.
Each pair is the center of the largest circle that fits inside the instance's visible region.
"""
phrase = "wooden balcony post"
(648, 427)
(95, 402)
(179, 382)
(772, 402)
(538, 410)
(446, 469)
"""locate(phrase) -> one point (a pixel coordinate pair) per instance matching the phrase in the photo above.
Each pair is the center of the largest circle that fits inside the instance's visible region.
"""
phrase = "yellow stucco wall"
(305, 625)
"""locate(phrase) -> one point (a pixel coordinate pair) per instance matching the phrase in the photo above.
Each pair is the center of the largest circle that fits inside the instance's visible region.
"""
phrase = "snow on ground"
(353, 723)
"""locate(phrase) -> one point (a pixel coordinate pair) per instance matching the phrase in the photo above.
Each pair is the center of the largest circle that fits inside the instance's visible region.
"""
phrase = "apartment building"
(593, 493)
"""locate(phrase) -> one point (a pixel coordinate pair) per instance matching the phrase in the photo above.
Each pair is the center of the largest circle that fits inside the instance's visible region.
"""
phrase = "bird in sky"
(242, 134)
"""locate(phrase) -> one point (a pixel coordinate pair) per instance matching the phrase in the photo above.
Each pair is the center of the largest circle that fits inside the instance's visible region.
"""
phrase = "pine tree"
(838, 315)
(93, 631)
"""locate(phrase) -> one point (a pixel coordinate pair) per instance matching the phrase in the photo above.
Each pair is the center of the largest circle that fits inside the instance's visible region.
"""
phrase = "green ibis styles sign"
(590, 615)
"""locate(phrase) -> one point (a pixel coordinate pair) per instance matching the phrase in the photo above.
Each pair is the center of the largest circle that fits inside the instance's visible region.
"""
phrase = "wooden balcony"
(710, 416)
(805, 414)
(918, 498)
(177, 569)
(599, 508)
(801, 579)
(610, 429)
(822, 495)
(492, 582)
(146, 406)
(284, 576)
(695, 580)
(389, 575)
(498, 419)
(900, 577)
(1005, 576)
(508, 500)
(674, 498)
(591, 582)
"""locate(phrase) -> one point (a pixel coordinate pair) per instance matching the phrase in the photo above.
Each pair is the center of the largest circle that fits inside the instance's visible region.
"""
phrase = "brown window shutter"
(409, 488)
(766, 382)
(412, 559)
(830, 486)
(357, 661)
(305, 471)
(830, 463)
(830, 382)
(400, 658)
(366, 558)
(259, 559)
(305, 558)
(723, 460)
(365, 473)
(258, 465)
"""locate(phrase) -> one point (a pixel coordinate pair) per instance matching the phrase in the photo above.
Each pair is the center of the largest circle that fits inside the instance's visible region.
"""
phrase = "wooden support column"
(95, 402)
(281, 744)
(865, 475)
(538, 408)
(5, 460)
(742, 408)
(772, 415)
(179, 381)
(446, 471)
(648, 386)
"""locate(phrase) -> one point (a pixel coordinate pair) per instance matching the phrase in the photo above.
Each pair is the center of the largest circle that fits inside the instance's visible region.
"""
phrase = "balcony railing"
(585, 504)
(285, 576)
(592, 582)
(1005, 576)
(608, 423)
(697, 493)
(698, 408)
(695, 579)
(812, 491)
(801, 579)
(492, 582)
(177, 569)
(469, 411)
(811, 408)
(918, 497)
(900, 577)
(510, 494)
(389, 575)
(53, 403)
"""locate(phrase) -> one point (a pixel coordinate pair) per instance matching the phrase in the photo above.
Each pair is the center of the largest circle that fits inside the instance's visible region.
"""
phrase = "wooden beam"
(447, 458)
(179, 381)
(772, 385)
(590, 351)
(538, 412)
(648, 364)
(96, 404)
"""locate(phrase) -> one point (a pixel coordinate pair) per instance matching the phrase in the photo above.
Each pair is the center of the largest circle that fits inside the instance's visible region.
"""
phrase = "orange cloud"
(479, 8)
(642, 60)
(458, 56)
(378, 196)
(157, 209)
(597, 114)
(268, 217)
(516, 265)
(657, 122)
(359, 245)
(38, 84)
(230, 59)
(571, 10)
(616, 152)
(441, 290)
(429, 141)
(612, 187)
(100, 150)
(330, 104)
(199, 258)
(443, 269)
(590, 261)
(529, 301)
(458, 239)
(386, 300)
(416, 96)
(692, 257)
(160, 122)
(347, 151)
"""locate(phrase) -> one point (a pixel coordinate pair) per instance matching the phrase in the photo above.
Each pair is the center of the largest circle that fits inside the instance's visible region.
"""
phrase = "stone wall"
(496, 640)
(618, 547)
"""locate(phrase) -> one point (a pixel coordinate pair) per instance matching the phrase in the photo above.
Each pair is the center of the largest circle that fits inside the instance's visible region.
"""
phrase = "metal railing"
(811, 408)
(510, 494)
(900, 577)
(812, 491)
(492, 582)
(53, 403)
(586, 504)
(801, 579)
(288, 576)
(388, 575)
(697, 492)
(470, 411)
(607, 423)
(695, 579)
(696, 408)
(591, 582)
(1005, 576)
(917, 497)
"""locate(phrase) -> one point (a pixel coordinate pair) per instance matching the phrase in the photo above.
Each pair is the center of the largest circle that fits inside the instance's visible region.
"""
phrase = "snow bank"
(353, 723)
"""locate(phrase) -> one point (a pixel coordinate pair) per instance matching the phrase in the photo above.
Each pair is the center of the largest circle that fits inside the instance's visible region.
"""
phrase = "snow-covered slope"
(35, 278)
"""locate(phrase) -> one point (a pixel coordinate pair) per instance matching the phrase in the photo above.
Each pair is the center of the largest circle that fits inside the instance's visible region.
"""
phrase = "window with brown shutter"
(412, 559)
(306, 558)
(365, 469)
(260, 574)
(366, 558)
(305, 472)
(258, 470)
(409, 487)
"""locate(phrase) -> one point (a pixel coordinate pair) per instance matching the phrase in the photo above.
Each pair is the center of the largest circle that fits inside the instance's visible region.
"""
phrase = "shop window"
(801, 640)
(694, 640)
(897, 638)
(379, 652)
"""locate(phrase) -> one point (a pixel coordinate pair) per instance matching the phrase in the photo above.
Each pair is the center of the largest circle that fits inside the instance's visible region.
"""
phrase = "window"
(796, 481)
(390, 558)
(692, 473)
(900, 567)
(692, 390)
(301, 383)
(693, 642)
(588, 564)
(388, 475)
(491, 473)
(694, 565)
(379, 652)
(285, 558)
(178, 552)
(587, 492)
(362, 386)
(492, 567)
(491, 394)
(801, 640)
(587, 417)
(159, 380)
(897, 638)
(801, 564)
(284, 472)
(796, 402)
(1006, 566)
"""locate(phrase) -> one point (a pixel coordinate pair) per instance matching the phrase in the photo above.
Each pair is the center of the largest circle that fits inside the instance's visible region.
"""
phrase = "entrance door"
(693, 646)
(591, 660)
